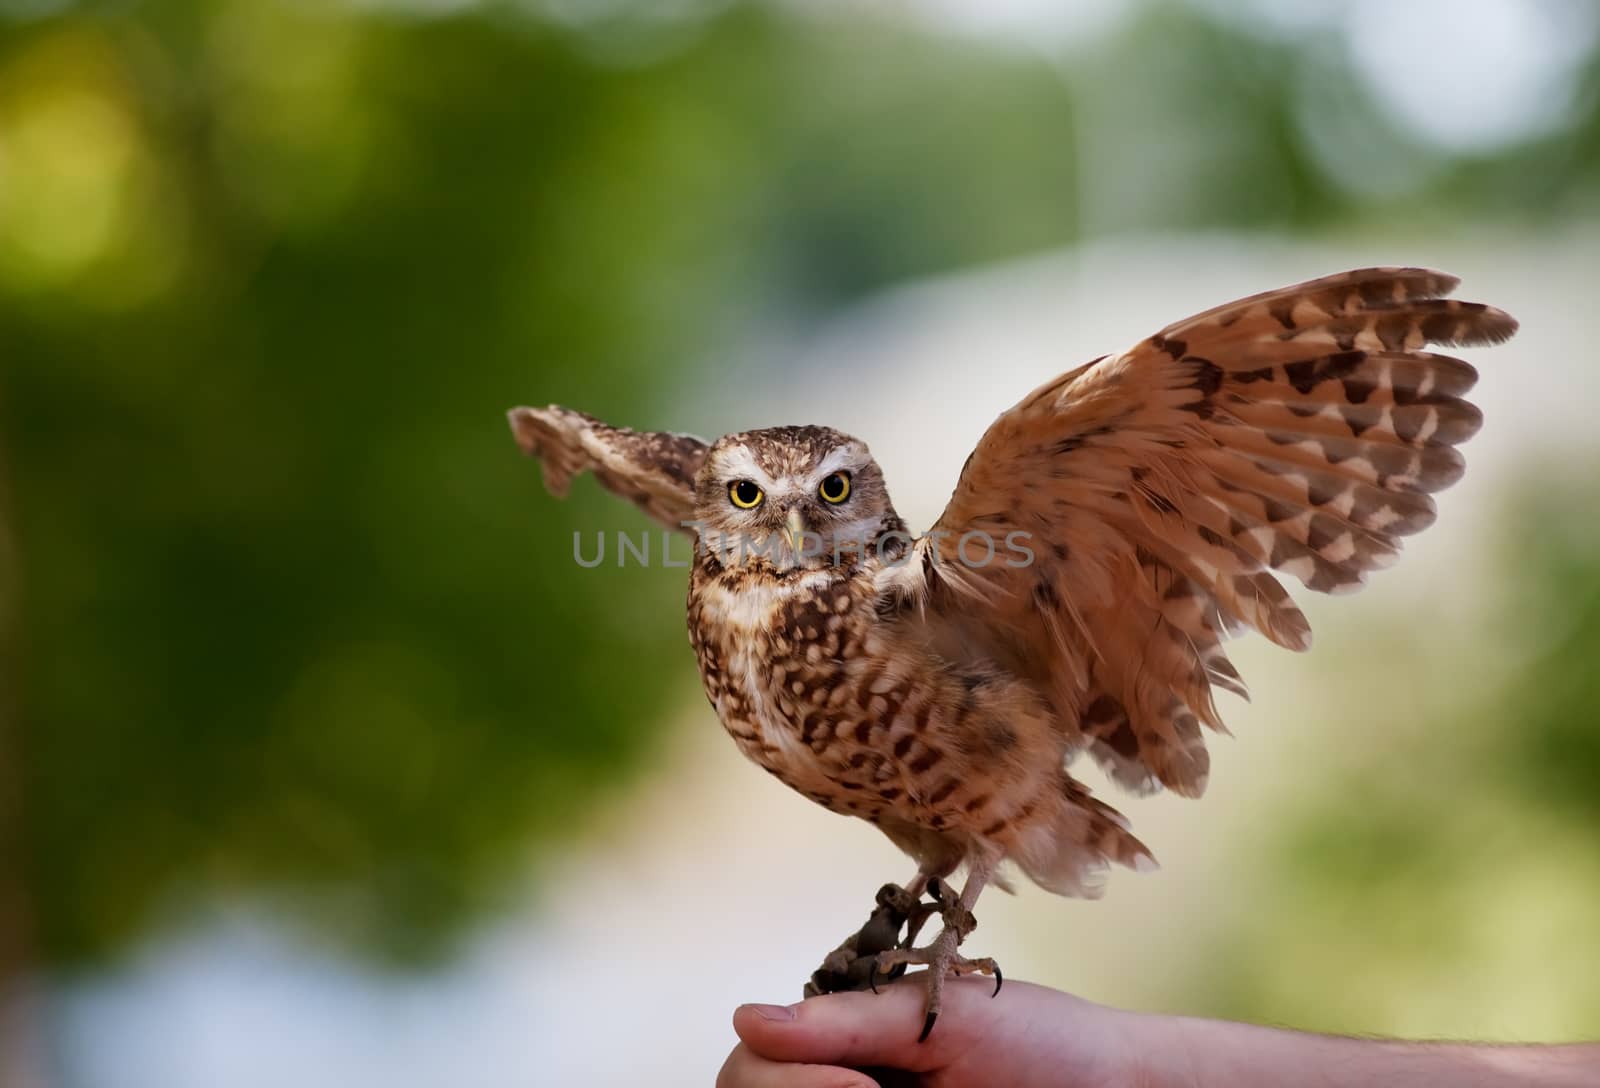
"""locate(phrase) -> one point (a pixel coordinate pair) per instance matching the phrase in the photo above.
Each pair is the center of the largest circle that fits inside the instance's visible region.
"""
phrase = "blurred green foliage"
(296, 615)
(294, 618)
(1546, 730)
(1448, 874)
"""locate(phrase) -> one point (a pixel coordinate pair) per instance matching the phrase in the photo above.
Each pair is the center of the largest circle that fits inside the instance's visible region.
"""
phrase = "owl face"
(793, 496)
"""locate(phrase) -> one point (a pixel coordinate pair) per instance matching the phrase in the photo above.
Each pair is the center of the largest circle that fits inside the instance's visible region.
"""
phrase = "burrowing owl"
(1106, 535)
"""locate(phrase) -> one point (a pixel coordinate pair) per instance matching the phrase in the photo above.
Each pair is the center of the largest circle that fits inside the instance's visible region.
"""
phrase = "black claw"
(927, 1027)
(936, 889)
(999, 981)
(872, 975)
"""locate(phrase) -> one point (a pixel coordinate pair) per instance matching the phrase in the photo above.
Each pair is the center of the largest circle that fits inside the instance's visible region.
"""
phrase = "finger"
(747, 1069)
(874, 1029)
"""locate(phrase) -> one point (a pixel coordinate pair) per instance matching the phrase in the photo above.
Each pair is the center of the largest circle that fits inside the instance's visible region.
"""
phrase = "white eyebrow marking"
(740, 464)
(837, 458)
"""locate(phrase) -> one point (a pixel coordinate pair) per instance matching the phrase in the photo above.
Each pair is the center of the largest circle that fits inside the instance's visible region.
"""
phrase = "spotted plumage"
(1158, 495)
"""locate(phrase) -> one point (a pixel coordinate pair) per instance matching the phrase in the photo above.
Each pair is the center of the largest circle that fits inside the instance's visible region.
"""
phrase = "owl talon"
(942, 962)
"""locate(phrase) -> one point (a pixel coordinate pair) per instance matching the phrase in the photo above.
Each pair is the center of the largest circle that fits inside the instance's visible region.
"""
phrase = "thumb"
(866, 1029)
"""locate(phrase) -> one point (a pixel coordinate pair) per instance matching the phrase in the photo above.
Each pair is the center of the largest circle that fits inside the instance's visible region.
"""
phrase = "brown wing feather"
(652, 469)
(1297, 431)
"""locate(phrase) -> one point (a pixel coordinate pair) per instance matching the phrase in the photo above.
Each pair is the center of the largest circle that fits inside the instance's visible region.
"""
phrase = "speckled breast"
(803, 683)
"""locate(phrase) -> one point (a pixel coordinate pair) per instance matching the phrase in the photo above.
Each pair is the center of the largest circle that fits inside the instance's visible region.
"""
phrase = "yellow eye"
(746, 495)
(835, 488)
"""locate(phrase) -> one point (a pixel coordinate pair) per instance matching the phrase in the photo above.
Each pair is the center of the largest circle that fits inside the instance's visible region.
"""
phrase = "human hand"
(1032, 1036)
(1027, 1035)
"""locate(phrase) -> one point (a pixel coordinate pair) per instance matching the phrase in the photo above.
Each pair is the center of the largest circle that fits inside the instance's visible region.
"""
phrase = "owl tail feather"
(1068, 853)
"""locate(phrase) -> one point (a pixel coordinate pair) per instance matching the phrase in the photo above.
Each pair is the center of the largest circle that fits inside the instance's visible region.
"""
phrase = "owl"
(1106, 537)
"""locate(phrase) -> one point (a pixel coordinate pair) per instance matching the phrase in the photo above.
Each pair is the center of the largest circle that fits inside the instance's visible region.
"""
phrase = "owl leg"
(941, 957)
(910, 899)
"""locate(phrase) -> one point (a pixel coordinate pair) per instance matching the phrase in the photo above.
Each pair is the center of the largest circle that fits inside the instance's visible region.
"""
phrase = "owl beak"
(796, 530)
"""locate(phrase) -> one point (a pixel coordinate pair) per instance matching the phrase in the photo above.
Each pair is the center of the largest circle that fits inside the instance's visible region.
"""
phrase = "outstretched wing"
(1298, 431)
(653, 470)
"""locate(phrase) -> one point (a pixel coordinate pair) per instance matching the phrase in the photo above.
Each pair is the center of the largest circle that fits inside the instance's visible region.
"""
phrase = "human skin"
(1034, 1036)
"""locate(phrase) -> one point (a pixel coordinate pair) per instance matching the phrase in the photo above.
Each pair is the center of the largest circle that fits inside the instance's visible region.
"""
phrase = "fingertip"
(755, 1021)
(785, 1032)
(841, 1029)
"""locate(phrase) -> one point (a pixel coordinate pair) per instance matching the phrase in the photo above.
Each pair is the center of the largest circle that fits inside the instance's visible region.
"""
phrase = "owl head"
(806, 497)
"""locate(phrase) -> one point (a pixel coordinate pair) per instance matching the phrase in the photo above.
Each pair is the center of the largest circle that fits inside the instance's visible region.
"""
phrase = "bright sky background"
(1463, 74)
